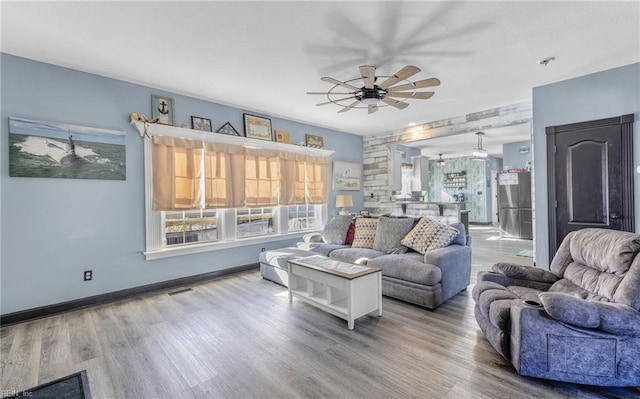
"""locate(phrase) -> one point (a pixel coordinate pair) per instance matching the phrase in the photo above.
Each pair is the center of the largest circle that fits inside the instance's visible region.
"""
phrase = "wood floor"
(239, 337)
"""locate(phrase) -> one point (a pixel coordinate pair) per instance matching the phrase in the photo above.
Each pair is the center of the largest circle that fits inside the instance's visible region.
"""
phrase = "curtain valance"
(192, 174)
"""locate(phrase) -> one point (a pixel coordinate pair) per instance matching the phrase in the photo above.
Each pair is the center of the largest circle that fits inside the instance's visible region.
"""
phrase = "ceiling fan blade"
(368, 73)
(413, 94)
(402, 74)
(373, 108)
(348, 107)
(334, 101)
(325, 93)
(431, 82)
(337, 82)
(395, 103)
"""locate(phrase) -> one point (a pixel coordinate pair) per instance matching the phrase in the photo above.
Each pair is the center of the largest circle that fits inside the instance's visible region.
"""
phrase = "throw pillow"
(390, 232)
(429, 235)
(365, 232)
(351, 232)
(335, 231)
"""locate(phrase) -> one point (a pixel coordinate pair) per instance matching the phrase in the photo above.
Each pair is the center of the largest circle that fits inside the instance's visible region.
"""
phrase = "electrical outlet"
(88, 275)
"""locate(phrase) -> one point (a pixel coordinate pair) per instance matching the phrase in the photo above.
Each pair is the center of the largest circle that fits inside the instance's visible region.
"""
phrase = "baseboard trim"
(62, 307)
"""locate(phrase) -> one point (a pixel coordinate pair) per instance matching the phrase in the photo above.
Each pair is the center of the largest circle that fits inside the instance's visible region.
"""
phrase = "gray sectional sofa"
(427, 280)
(581, 321)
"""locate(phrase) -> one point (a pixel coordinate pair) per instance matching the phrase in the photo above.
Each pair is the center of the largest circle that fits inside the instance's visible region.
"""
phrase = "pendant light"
(479, 153)
(440, 161)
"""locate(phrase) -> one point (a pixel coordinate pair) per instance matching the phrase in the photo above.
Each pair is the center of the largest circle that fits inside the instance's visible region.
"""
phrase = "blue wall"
(600, 95)
(53, 229)
(512, 158)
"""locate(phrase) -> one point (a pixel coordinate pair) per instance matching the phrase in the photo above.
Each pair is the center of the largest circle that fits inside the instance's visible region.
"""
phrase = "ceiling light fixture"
(479, 153)
(440, 161)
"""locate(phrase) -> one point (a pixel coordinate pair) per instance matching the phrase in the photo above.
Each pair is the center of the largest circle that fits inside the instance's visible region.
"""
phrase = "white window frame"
(185, 233)
(154, 224)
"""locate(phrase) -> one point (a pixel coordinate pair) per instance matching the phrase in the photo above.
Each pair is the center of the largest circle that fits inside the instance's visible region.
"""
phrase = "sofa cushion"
(408, 268)
(325, 249)
(355, 255)
(335, 231)
(390, 232)
(365, 232)
(429, 234)
(570, 309)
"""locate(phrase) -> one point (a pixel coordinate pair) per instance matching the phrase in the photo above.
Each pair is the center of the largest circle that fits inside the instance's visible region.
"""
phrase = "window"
(254, 222)
(204, 192)
(304, 217)
(183, 227)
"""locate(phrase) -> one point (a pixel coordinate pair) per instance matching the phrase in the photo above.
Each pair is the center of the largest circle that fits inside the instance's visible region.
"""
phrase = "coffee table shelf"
(343, 289)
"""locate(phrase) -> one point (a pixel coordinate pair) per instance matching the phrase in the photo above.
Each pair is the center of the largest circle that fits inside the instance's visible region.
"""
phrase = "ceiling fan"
(369, 94)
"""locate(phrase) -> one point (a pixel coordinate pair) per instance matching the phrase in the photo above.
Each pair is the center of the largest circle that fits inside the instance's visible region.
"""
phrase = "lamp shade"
(343, 201)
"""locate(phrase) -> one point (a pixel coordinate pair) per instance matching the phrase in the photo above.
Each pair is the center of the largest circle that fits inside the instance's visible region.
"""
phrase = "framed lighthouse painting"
(163, 109)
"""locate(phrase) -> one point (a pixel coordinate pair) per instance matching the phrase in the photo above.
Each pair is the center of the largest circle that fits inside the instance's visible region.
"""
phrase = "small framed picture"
(203, 124)
(282, 136)
(314, 141)
(364, 213)
(257, 127)
(163, 109)
(346, 176)
(228, 128)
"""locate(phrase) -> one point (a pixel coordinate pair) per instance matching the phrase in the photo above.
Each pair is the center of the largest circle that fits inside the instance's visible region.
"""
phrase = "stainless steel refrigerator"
(514, 205)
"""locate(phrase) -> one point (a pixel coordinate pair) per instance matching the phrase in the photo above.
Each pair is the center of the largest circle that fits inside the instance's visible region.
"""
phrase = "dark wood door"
(590, 177)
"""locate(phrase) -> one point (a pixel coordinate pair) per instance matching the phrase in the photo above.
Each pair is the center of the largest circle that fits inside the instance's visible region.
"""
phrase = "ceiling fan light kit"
(366, 93)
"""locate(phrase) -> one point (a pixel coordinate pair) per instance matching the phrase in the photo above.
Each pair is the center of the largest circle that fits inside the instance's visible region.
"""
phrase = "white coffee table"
(343, 289)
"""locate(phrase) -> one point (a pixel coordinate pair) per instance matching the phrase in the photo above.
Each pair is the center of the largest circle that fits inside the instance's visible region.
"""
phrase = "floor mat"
(525, 253)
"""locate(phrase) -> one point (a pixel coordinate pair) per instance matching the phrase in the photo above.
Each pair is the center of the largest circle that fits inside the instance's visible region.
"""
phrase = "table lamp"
(343, 201)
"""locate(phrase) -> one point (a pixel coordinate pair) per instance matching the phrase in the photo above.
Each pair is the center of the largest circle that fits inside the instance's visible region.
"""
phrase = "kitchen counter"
(446, 212)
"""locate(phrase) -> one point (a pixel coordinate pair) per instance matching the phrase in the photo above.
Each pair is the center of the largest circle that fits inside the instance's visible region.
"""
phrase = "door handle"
(615, 216)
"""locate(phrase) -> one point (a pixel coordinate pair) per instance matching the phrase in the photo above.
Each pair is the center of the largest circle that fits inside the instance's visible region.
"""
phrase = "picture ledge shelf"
(154, 129)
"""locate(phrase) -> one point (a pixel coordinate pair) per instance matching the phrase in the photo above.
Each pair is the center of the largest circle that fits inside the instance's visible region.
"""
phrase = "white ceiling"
(264, 56)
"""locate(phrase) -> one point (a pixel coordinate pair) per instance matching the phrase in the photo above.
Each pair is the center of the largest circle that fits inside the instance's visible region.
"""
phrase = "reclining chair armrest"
(493, 277)
(619, 319)
(614, 318)
(527, 276)
(570, 309)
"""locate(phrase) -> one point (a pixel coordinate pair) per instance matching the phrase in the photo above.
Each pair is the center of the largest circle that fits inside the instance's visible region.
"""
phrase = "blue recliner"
(578, 322)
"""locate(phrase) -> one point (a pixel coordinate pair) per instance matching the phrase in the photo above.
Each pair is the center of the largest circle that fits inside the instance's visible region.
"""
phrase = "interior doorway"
(590, 169)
